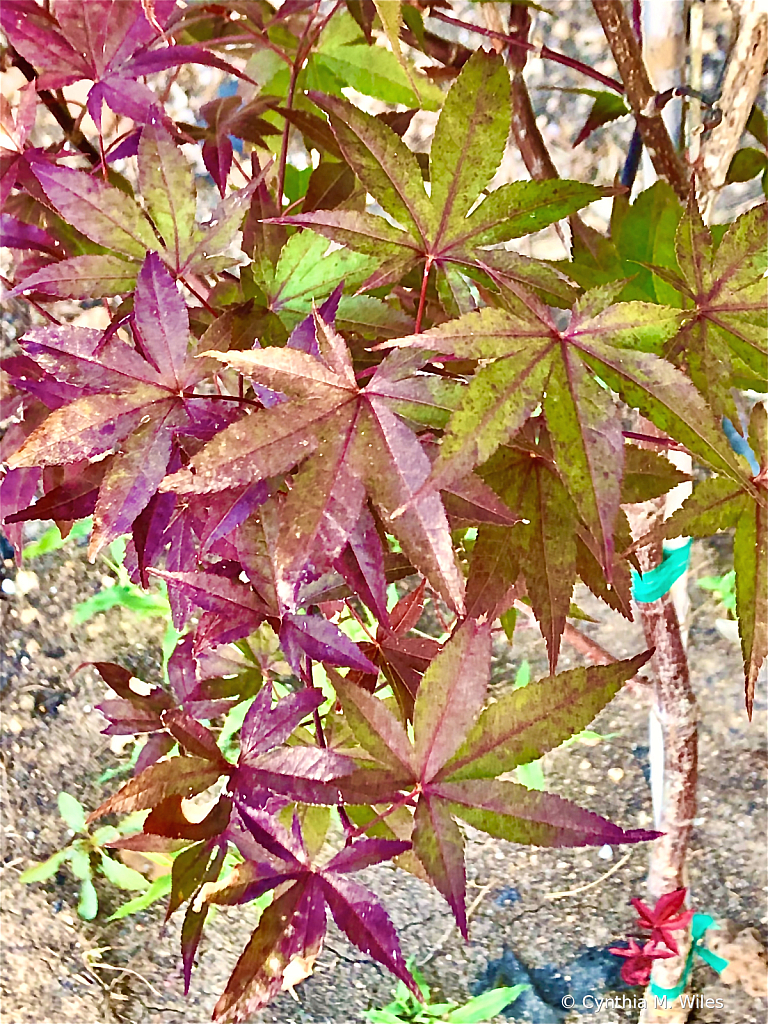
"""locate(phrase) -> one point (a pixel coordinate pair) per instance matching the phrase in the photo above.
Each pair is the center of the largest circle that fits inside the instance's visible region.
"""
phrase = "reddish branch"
(523, 44)
(308, 39)
(641, 95)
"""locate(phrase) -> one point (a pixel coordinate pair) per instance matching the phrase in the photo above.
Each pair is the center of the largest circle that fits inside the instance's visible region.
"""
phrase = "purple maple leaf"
(283, 948)
(109, 42)
(136, 401)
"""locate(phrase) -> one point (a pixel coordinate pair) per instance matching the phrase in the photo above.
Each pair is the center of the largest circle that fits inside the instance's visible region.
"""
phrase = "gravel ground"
(52, 741)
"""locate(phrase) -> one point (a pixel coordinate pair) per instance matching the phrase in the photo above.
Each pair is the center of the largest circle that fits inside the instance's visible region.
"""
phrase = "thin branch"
(203, 302)
(525, 128)
(307, 41)
(641, 94)
(544, 51)
(323, 743)
(62, 116)
(44, 312)
(740, 89)
(526, 131)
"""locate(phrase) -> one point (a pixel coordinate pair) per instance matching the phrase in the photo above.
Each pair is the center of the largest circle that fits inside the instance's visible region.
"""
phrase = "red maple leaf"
(664, 918)
(637, 969)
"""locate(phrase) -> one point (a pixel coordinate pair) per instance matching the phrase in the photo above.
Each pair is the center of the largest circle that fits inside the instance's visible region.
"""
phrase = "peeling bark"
(674, 708)
(641, 95)
(740, 90)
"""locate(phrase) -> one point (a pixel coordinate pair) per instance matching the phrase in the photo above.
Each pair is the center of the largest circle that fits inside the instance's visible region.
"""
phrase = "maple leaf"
(446, 228)
(300, 272)
(114, 220)
(232, 609)
(192, 690)
(228, 116)
(349, 442)
(16, 130)
(459, 749)
(720, 503)
(143, 398)
(664, 918)
(106, 41)
(639, 960)
(291, 930)
(725, 288)
(402, 659)
(528, 360)
(550, 546)
(265, 765)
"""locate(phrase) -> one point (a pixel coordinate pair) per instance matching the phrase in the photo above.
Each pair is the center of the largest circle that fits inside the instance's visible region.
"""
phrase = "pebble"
(615, 774)
(26, 581)
(27, 702)
(13, 725)
(605, 852)
(8, 587)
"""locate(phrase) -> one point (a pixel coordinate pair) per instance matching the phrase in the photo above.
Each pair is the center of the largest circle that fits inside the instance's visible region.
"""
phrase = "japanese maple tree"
(340, 379)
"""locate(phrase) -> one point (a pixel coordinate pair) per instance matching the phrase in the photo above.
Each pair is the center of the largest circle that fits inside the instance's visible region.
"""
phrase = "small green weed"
(406, 1008)
(86, 855)
(52, 540)
(724, 590)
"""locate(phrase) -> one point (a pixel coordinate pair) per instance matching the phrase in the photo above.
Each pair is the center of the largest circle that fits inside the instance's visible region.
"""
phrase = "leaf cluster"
(343, 379)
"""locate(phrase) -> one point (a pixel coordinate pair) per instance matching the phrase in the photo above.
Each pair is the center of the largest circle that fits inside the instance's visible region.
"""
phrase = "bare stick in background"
(740, 89)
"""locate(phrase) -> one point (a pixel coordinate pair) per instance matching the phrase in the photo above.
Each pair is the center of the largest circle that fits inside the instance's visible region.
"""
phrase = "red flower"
(661, 921)
(637, 969)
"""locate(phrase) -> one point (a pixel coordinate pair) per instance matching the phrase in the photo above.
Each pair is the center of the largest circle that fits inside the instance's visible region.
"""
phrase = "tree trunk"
(674, 710)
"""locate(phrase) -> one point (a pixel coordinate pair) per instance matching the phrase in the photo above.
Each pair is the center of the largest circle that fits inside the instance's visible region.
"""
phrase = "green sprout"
(406, 1008)
(52, 539)
(724, 590)
(85, 855)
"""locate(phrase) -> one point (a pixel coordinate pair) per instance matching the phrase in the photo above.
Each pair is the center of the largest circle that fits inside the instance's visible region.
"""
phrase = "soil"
(57, 968)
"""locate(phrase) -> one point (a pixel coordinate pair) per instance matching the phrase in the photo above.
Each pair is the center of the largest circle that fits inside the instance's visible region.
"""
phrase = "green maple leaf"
(551, 546)
(725, 287)
(459, 749)
(527, 361)
(447, 228)
(303, 272)
(721, 503)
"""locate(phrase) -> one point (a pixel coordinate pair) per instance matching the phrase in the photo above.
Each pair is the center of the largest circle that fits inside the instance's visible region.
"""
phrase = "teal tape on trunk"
(700, 924)
(656, 582)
